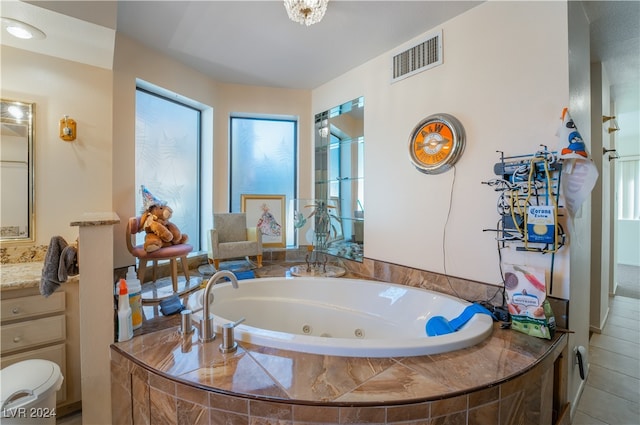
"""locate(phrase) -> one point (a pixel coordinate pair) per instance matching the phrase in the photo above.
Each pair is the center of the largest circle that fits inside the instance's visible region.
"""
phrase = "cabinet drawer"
(55, 353)
(17, 336)
(34, 305)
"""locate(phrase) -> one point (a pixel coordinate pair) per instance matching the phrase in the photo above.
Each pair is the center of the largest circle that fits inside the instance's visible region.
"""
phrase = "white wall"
(627, 231)
(580, 106)
(601, 217)
(505, 77)
(71, 178)
(628, 235)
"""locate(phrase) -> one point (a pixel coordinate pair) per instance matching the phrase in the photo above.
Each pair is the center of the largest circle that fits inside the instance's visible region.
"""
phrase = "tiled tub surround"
(162, 377)
(282, 260)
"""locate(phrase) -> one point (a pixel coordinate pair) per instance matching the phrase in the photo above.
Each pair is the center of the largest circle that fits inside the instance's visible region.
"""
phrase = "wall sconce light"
(614, 153)
(613, 125)
(67, 129)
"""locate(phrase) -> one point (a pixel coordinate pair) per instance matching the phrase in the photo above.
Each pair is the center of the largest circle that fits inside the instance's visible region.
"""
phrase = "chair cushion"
(166, 252)
(238, 249)
(231, 227)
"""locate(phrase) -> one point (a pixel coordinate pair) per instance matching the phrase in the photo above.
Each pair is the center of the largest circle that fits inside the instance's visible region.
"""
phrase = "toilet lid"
(27, 381)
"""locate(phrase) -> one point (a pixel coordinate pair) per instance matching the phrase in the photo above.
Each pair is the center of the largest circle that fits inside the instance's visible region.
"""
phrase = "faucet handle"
(236, 323)
(229, 344)
(185, 322)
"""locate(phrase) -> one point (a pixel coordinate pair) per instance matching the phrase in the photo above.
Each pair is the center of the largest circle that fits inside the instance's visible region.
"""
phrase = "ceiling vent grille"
(422, 56)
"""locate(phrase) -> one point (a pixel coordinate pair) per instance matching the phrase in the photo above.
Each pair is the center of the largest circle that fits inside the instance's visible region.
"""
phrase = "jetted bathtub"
(342, 317)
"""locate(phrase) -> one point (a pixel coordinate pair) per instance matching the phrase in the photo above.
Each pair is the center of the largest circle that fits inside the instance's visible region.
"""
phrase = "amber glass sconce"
(67, 129)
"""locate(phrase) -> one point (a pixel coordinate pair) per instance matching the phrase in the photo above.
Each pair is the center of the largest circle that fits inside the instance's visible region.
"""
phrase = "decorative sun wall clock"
(436, 143)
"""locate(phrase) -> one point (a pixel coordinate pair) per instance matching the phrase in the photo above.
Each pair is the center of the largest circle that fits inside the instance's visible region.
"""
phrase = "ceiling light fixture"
(21, 29)
(307, 12)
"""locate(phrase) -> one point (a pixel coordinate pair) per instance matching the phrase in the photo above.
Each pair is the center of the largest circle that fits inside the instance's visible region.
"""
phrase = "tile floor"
(612, 392)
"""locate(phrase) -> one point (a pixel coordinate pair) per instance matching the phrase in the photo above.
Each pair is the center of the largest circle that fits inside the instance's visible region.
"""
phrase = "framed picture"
(267, 213)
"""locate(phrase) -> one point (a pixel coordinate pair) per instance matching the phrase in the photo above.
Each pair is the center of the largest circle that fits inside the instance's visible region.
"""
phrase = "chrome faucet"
(206, 323)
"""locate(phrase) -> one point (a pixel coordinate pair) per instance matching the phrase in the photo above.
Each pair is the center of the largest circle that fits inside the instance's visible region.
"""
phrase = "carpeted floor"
(628, 281)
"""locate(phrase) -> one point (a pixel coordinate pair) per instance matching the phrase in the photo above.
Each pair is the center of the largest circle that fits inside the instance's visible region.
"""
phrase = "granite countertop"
(23, 275)
(280, 375)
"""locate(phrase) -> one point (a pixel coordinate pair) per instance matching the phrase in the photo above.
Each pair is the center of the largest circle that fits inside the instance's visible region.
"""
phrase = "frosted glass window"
(167, 159)
(263, 160)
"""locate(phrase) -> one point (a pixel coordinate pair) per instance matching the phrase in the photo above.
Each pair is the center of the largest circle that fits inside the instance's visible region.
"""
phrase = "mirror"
(16, 176)
(339, 175)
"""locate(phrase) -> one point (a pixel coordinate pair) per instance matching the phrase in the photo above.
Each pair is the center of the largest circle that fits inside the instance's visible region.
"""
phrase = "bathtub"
(341, 317)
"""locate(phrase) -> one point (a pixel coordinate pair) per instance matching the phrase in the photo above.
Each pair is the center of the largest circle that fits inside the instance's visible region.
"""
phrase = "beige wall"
(133, 61)
(261, 101)
(71, 178)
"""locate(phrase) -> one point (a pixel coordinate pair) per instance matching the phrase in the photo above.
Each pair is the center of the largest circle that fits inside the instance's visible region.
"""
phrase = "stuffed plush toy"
(160, 232)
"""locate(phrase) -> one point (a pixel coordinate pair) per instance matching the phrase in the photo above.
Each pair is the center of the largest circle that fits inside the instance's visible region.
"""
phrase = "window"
(628, 192)
(334, 167)
(167, 159)
(263, 160)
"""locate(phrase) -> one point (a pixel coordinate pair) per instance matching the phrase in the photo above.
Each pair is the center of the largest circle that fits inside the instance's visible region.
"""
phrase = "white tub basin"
(342, 317)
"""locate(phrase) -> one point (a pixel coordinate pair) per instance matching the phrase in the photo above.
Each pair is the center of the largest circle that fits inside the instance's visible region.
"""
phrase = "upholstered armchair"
(231, 238)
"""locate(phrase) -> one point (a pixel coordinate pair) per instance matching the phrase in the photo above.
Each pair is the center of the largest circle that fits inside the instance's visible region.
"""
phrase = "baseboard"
(598, 329)
(615, 288)
(576, 400)
(68, 409)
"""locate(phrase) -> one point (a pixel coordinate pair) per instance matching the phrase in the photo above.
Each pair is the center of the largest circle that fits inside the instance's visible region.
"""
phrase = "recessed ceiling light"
(21, 29)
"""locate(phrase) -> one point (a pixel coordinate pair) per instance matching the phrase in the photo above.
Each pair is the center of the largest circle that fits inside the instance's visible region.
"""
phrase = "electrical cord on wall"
(444, 235)
(500, 290)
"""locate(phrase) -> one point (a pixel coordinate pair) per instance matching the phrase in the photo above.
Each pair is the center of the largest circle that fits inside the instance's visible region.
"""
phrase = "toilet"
(28, 391)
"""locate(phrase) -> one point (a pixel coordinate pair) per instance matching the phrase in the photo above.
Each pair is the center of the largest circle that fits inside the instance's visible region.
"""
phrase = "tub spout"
(206, 324)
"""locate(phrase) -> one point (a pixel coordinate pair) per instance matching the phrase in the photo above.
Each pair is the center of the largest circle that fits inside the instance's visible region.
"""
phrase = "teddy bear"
(160, 232)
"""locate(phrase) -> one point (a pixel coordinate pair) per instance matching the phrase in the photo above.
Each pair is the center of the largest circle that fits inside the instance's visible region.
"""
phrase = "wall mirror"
(339, 175)
(16, 177)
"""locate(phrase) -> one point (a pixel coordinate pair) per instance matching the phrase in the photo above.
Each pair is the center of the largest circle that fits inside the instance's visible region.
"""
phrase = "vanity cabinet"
(339, 176)
(35, 327)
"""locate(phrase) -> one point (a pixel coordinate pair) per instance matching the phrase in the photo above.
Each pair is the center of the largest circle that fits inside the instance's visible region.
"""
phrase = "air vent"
(422, 56)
